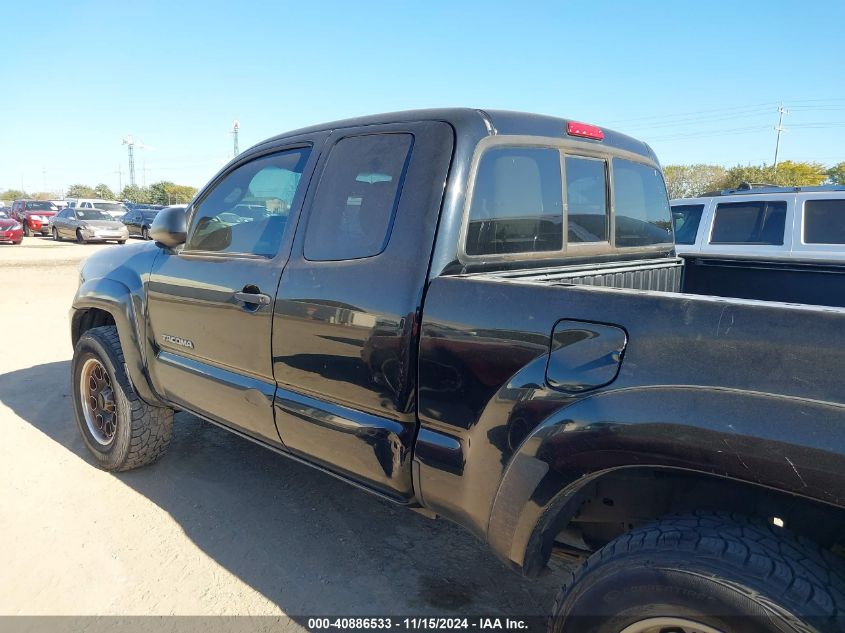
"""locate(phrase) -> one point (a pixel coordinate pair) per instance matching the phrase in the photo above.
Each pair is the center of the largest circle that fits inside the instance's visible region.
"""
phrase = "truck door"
(344, 339)
(211, 303)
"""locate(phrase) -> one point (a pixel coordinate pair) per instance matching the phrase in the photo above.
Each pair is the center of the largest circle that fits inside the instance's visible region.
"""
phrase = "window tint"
(685, 220)
(247, 212)
(749, 222)
(641, 205)
(355, 202)
(517, 204)
(92, 214)
(41, 206)
(586, 200)
(824, 222)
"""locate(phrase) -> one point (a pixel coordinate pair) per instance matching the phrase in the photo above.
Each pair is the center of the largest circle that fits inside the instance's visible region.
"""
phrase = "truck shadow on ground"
(308, 542)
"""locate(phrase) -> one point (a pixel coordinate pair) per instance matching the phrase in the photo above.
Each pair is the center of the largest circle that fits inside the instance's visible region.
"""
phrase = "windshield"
(41, 206)
(92, 214)
(112, 207)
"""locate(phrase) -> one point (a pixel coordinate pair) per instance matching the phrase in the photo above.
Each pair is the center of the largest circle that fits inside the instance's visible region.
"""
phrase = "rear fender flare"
(784, 443)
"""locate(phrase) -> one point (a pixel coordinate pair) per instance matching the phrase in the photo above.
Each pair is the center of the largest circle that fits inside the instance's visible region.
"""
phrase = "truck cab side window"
(247, 212)
(355, 202)
(517, 202)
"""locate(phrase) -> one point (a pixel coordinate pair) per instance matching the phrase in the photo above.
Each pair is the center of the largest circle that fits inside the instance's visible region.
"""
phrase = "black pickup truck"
(479, 315)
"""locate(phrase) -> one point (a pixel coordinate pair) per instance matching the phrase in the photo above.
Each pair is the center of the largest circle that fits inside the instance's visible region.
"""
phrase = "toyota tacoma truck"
(479, 315)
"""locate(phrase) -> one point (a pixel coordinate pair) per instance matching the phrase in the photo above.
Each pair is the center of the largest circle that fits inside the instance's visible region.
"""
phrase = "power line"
(685, 114)
(723, 132)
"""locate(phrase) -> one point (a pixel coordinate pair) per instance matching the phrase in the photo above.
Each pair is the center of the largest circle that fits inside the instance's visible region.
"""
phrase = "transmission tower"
(130, 143)
(236, 126)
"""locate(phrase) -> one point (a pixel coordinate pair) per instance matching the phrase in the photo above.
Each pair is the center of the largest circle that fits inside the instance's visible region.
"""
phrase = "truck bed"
(649, 274)
(738, 388)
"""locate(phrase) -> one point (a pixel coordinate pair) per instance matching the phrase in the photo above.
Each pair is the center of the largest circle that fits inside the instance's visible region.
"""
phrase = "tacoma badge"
(178, 340)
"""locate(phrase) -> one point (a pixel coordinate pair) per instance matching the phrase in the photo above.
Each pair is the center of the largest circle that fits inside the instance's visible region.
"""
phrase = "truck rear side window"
(641, 205)
(686, 219)
(517, 202)
(355, 203)
(751, 222)
(586, 200)
(824, 222)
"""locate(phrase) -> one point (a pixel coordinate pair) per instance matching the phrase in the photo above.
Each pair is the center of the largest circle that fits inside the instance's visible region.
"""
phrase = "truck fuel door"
(584, 355)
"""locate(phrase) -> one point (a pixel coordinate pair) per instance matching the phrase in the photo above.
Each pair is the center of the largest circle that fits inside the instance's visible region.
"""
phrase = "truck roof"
(480, 122)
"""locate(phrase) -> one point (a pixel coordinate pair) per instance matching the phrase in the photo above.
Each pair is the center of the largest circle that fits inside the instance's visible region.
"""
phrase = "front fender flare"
(126, 308)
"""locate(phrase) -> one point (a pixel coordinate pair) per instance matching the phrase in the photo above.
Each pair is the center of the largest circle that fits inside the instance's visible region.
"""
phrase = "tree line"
(688, 181)
(164, 192)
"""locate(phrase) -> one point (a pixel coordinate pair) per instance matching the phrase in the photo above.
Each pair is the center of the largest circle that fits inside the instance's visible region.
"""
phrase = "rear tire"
(121, 241)
(27, 232)
(120, 430)
(18, 243)
(145, 233)
(79, 238)
(691, 572)
(56, 235)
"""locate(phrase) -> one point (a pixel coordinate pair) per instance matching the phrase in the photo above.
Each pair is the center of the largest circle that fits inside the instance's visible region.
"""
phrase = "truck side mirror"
(169, 227)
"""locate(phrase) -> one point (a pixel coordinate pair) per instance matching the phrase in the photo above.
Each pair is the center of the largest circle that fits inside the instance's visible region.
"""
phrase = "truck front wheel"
(121, 430)
(704, 573)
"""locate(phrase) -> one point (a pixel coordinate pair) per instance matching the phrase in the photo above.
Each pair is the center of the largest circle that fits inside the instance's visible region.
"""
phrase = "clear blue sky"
(698, 81)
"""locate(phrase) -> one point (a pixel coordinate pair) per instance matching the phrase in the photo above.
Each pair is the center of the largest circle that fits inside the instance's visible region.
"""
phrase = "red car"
(10, 230)
(34, 215)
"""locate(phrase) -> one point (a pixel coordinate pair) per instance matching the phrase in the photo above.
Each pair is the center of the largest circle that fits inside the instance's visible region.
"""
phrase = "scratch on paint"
(738, 456)
(719, 324)
(804, 483)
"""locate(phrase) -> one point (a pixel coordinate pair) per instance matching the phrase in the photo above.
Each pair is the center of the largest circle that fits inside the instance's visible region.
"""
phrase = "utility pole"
(779, 129)
(43, 178)
(119, 179)
(236, 127)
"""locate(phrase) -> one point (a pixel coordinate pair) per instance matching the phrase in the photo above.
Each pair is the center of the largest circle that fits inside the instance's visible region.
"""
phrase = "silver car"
(88, 225)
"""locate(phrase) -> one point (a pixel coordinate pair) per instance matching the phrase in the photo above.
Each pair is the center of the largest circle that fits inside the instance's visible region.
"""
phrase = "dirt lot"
(219, 526)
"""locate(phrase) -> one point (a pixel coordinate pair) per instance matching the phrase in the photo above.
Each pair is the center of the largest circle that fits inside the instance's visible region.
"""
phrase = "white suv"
(770, 222)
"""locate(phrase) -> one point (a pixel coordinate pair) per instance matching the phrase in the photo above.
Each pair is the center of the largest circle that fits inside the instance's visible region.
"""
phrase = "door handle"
(255, 298)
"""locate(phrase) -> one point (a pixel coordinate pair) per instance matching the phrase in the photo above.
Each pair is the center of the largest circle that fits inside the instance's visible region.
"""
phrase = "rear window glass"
(355, 203)
(586, 200)
(92, 214)
(517, 202)
(641, 204)
(824, 222)
(749, 222)
(685, 220)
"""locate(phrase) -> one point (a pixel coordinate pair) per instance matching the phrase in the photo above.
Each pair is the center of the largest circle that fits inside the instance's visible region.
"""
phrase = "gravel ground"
(219, 526)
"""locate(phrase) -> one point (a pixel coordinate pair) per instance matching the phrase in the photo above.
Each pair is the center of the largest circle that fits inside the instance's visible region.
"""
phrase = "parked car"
(139, 220)
(34, 215)
(10, 230)
(114, 208)
(476, 315)
(88, 225)
(771, 243)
